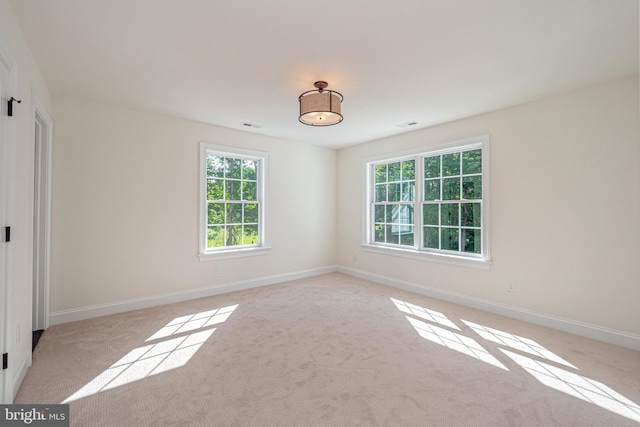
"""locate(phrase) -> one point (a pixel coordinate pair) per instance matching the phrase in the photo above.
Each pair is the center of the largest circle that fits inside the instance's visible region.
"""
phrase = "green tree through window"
(395, 185)
(452, 207)
(233, 204)
(431, 202)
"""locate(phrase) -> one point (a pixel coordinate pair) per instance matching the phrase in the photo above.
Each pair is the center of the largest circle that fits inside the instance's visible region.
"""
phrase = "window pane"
(472, 240)
(393, 234)
(250, 213)
(215, 167)
(430, 213)
(431, 240)
(232, 190)
(405, 214)
(451, 164)
(381, 173)
(451, 188)
(378, 215)
(249, 169)
(408, 191)
(471, 214)
(394, 171)
(234, 213)
(234, 168)
(408, 170)
(249, 190)
(250, 236)
(432, 189)
(449, 214)
(392, 213)
(381, 192)
(472, 187)
(472, 162)
(432, 167)
(216, 236)
(215, 189)
(378, 233)
(406, 236)
(215, 214)
(394, 192)
(450, 239)
(234, 235)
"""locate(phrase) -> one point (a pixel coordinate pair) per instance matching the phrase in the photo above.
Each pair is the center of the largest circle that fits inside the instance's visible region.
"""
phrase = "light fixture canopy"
(320, 107)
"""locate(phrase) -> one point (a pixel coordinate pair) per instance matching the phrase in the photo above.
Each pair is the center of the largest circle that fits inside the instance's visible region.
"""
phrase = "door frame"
(43, 133)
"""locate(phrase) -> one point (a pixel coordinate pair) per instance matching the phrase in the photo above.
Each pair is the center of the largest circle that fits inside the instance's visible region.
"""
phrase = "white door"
(7, 135)
(4, 201)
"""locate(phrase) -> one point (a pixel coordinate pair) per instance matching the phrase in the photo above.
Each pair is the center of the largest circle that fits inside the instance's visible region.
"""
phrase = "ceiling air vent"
(404, 125)
(251, 125)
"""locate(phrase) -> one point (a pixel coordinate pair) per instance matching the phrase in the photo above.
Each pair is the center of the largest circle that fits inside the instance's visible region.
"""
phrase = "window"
(431, 204)
(395, 188)
(233, 206)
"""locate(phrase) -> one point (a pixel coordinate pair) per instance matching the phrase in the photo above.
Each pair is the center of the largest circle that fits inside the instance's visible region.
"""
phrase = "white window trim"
(484, 262)
(226, 253)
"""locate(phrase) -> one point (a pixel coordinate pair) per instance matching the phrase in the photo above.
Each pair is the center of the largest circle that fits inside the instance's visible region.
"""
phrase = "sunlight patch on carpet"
(516, 342)
(431, 328)
(454, 341)
(424, 313)
(194, 321)
(152, 359)
(578, 386)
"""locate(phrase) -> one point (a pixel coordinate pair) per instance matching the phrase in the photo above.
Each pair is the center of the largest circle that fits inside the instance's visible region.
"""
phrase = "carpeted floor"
(329, 351)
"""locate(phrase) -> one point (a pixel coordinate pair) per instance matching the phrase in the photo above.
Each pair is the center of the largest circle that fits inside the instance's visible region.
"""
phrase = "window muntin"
(446, 206)
(232, 200)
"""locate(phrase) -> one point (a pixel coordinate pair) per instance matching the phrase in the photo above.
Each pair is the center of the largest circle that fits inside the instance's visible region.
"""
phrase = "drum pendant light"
(320, 107)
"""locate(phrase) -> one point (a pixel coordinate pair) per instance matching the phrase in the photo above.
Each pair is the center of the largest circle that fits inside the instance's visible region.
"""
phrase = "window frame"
(417, 251)
(262, 158)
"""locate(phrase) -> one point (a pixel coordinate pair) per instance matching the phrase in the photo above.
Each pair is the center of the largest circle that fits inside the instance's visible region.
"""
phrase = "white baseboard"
(611, 336)
(20, 373)
(83, 313)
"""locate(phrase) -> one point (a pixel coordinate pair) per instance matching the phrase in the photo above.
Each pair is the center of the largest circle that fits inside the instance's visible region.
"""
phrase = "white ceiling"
(229, 62)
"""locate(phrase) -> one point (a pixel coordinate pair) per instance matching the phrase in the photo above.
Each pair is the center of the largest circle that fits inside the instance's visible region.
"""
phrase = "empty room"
(356, 213)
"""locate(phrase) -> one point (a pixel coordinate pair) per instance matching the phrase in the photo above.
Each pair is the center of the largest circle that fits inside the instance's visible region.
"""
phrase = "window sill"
(232, 253)
(461, 261)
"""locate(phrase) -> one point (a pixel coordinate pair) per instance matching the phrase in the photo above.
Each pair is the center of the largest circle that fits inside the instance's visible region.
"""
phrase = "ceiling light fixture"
(320, 107)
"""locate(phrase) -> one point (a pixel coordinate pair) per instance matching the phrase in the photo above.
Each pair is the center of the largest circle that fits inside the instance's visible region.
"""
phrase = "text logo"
(34, 415)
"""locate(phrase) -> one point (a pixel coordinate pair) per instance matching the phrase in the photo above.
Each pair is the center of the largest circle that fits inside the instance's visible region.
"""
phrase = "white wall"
(565, 208)
(125, 206)
(29, 86)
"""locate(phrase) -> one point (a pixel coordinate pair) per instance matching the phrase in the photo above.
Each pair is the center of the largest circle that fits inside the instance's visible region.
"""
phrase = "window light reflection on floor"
(525, 345)
(578, 386)
(194, 321)
(162, 356)
(557, 374)
(424, 313)
(454, 341)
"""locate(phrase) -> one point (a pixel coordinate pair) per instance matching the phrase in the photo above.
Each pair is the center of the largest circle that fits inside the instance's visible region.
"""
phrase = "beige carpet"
(329, 351)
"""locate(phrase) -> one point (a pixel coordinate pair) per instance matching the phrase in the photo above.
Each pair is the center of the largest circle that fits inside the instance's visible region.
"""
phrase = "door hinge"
(5, 361)
(10, 105)
(7, 234)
